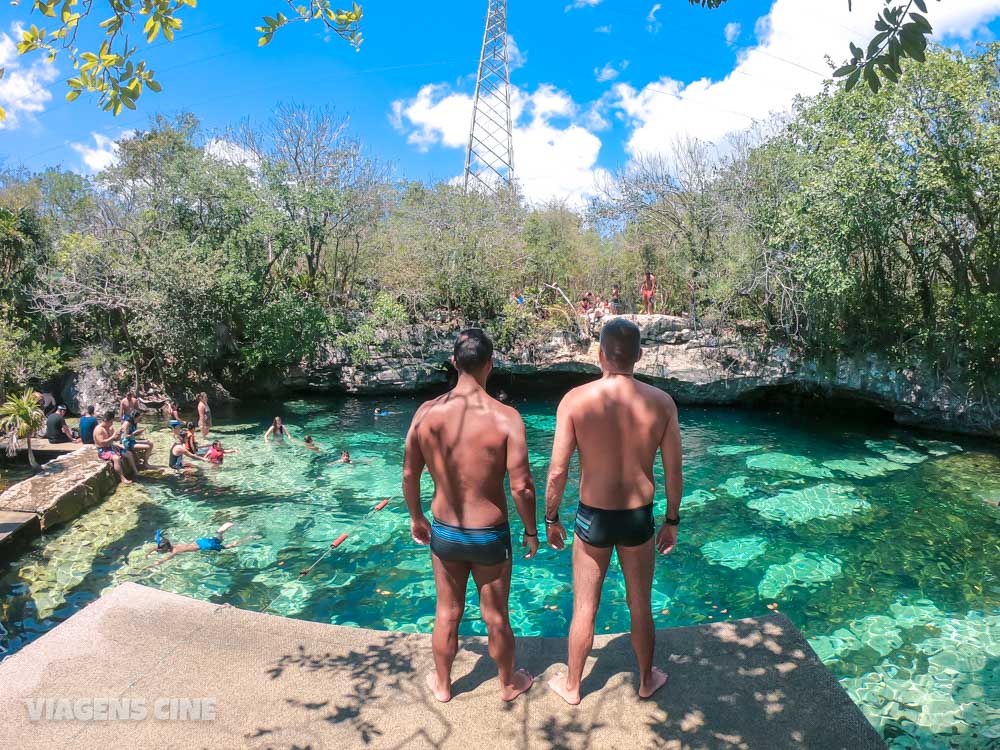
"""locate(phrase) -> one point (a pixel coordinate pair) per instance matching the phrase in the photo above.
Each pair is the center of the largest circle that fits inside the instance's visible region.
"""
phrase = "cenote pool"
(876, 541)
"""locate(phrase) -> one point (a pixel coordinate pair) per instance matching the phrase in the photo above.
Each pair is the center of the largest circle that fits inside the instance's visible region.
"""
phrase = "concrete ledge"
(282, 683)
(63, 489)
(16, 529)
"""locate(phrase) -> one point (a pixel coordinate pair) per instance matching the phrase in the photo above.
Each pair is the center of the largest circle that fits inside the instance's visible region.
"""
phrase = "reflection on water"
(879, 543)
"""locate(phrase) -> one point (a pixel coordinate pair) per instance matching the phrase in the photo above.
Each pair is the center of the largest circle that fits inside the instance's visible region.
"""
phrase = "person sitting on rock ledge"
(88, 423)
(56, 430)
(132, 439)
(105, 438)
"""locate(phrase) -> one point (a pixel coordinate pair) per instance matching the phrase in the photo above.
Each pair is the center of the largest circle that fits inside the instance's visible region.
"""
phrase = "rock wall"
(694, 367)
(63, 488)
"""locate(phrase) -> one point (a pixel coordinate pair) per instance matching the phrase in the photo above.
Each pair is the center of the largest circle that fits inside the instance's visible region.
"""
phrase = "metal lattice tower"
(489, 161)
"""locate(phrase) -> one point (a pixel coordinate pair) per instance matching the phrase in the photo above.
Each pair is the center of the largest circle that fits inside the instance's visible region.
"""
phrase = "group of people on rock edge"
(596, 307)
(469, 442)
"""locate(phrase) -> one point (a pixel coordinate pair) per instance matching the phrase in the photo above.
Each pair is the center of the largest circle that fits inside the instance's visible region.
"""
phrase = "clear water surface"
(878, 542)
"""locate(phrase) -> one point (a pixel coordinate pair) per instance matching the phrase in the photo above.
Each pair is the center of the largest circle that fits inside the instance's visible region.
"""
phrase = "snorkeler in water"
(204, 544)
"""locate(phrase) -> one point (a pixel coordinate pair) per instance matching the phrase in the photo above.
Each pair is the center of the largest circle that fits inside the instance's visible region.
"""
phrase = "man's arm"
(670, 452)
(522, 485)
(413, 467)
(562, 451)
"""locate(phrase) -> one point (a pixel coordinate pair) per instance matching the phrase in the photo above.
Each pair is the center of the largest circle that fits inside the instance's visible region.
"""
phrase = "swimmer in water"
(311, 444)
(345, 458)
(204, 544)
(278, 431)
(216, 454)
(382, 412)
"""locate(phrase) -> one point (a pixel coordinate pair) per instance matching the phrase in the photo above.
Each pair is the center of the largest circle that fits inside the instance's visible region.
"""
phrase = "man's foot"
(127, 481)
(523, 680)
(657, 679)
(558, 686)
(443, 695)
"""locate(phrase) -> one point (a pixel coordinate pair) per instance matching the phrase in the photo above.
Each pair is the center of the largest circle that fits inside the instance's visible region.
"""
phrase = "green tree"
(21, 417)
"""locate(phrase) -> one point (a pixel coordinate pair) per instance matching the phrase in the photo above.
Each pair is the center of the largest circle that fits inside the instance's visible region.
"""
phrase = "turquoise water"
(878, 542)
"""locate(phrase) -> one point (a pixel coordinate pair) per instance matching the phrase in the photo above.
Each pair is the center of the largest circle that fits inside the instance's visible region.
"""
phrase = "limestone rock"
(695, 367)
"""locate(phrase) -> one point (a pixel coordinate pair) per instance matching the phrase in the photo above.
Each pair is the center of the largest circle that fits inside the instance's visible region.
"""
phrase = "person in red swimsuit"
(648, 291)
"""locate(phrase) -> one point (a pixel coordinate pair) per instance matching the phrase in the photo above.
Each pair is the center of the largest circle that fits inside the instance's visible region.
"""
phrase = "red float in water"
(339, 540)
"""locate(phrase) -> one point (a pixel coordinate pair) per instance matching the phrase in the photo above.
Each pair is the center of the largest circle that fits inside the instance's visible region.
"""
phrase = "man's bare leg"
(493, 582)
(450, 580)
(637, 567)
(590, 565)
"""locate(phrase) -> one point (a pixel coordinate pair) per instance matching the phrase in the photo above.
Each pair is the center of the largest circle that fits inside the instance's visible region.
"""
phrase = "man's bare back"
(464, 440)
(618, 424)
(469, 442)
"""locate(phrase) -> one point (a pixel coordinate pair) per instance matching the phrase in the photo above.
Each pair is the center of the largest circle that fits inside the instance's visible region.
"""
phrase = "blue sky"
(596, 81)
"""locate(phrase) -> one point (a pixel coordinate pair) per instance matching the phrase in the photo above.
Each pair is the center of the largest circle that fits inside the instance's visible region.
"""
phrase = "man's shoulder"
(658, 395)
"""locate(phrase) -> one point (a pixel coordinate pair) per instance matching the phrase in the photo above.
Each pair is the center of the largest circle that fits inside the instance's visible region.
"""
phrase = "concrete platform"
(16, 528)
(63, 488)
(41, 445)
(282, 683)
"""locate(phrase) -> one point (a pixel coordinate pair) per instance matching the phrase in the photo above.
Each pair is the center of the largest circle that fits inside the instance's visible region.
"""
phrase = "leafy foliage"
(113, 70)
(20, 418)
(900, 33)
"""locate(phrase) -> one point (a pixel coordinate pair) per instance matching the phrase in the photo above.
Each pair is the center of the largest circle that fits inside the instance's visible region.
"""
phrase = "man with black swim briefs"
(468, 441)
(618, 424)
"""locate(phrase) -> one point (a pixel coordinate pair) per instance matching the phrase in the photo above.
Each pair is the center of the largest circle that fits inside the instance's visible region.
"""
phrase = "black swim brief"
(478, 546)
(606, 528)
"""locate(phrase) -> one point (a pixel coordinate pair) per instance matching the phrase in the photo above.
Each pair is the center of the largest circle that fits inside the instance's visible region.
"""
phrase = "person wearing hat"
(56, 430)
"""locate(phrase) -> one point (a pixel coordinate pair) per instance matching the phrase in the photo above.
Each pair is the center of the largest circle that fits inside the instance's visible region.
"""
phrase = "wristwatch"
(672, 521)
(552, 521)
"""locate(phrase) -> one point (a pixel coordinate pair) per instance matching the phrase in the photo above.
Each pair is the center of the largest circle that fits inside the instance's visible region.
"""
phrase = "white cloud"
(732, 32)
(789, 59)
(582, 4)
(515, 57)
(553, 159)
(610, 72)
(24, 88)
(226, 151)
(602, 30)
(652, 25)
(104, 152)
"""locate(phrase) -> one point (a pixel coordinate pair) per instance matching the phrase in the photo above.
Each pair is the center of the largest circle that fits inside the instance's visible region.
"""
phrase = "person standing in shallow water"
(469, 442)
(618, 424)
(204, 414)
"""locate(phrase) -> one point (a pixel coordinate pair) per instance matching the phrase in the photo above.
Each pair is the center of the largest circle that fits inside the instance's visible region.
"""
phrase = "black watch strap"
(533, 533)
(672, 521)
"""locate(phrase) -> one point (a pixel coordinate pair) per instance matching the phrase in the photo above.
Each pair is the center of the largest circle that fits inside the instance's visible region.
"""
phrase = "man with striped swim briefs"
(468, 442)
(618, 424)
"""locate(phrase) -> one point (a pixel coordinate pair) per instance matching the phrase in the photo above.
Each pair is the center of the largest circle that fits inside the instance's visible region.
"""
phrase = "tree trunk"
(31, 456)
